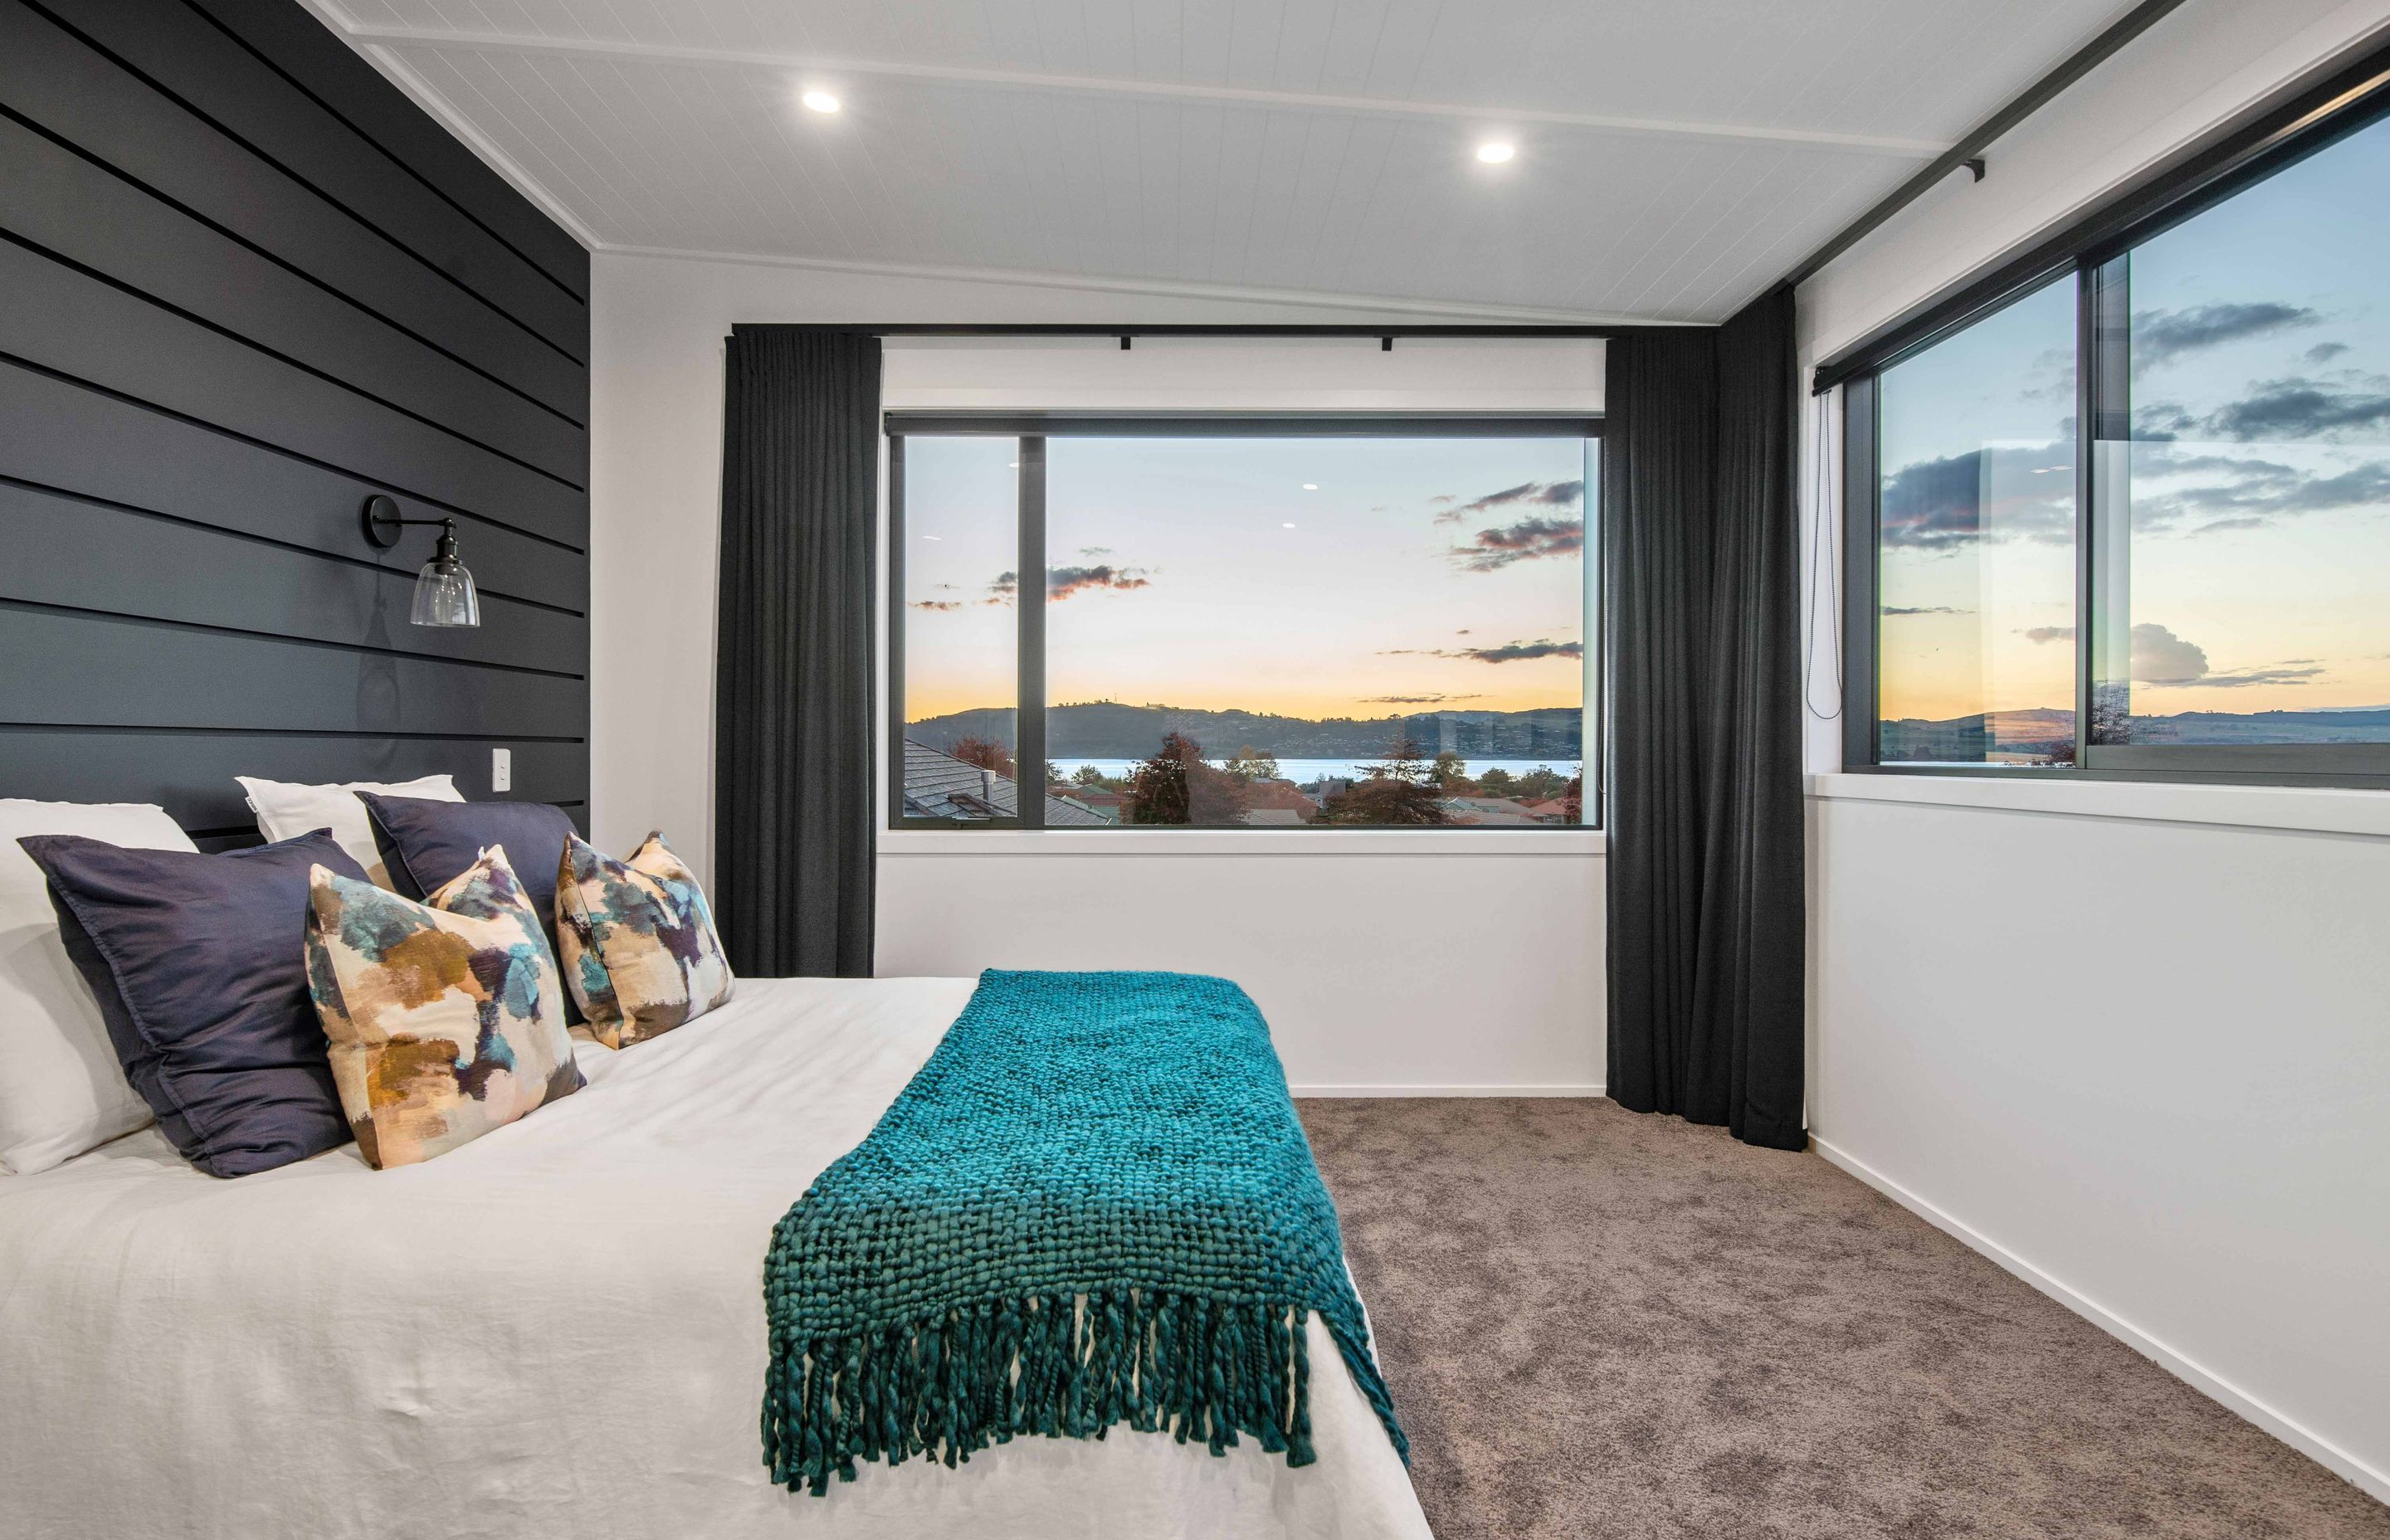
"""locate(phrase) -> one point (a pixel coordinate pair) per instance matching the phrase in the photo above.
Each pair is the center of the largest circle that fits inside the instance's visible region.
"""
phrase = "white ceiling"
(1674, 159)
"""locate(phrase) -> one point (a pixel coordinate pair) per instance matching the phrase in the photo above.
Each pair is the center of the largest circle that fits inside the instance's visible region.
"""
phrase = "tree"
(1175, 787)
(1450, 773)
(985, 753)
(1573, 800)
(1538, 785)
(1400, 791)
(1497, 782)
(1087, 775)
(1248, 766)
(1053, 773)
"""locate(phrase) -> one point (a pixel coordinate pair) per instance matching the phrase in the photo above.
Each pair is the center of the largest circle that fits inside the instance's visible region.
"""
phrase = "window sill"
(1580, 844)
(2320, 810)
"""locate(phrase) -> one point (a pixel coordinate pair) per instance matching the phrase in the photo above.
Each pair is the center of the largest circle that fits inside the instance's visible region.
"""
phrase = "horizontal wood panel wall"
(248, 284)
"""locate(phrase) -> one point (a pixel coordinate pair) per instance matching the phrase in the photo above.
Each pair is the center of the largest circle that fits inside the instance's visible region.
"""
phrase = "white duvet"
(555, 1330)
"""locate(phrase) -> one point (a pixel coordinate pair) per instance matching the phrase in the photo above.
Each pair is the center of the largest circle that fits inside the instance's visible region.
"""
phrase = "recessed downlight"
(1311, 486)
(1494, 152)
(820, 101)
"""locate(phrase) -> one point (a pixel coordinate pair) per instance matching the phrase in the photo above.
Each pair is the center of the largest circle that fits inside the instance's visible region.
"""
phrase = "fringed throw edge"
(1061, 1365)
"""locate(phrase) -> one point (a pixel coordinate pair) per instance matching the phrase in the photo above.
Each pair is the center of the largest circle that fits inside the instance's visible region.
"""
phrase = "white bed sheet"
(555, 1330)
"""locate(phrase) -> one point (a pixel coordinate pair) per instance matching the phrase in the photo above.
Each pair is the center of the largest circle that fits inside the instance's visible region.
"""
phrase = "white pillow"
(62, 1090)
(286, 810)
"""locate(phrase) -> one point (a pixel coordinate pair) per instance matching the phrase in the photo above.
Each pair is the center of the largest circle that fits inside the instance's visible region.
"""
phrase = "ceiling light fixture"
(1311, 486)
(820, 101)
(1494, 152)
(1289, 526)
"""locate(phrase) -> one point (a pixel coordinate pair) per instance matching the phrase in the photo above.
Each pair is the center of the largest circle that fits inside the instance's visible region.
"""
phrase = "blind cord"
(1821, 564)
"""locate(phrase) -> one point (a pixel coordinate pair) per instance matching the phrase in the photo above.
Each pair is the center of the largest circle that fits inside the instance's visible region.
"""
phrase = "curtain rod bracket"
(1124, 341)
(1385, 344)
(1976, 164)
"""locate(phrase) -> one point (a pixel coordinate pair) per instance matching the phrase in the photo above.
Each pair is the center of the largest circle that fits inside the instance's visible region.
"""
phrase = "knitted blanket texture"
(1094, 1205)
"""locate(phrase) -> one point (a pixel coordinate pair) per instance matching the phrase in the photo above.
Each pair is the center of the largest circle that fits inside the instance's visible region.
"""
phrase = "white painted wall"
(2139, 1056)
(1385, 962)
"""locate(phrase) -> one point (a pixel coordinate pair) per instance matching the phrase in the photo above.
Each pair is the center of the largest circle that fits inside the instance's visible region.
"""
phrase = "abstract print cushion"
(639, 949)
(445, 1017)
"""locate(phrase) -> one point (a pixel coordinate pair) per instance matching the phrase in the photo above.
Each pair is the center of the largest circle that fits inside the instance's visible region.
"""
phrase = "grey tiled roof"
(940, 786)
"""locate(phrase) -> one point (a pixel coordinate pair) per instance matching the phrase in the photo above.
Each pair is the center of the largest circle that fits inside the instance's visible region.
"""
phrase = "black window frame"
(1033, 429)
(2308, 119)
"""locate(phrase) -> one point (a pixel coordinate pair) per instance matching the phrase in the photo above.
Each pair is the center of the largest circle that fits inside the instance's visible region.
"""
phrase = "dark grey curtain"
(1707, 925)
(793, 727)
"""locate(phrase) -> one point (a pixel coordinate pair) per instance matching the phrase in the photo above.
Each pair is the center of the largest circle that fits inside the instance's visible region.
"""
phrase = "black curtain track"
(1706, 927)
(793, 723)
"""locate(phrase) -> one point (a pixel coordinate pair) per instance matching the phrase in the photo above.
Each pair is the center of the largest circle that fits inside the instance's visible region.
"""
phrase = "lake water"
(1303, 772)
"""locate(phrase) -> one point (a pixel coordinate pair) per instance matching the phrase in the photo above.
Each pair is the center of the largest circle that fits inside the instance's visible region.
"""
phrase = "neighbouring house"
(940, 786)
(1551, 810)
(1277, 801)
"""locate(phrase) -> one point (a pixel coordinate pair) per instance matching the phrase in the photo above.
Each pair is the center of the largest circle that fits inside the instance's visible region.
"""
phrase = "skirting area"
(1596, 1324)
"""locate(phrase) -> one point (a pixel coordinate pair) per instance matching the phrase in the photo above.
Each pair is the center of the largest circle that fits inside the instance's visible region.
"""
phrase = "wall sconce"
(444, 590)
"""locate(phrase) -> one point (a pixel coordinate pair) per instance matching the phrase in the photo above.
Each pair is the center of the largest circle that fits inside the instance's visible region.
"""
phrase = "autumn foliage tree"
(1175, 787)
(986, 753)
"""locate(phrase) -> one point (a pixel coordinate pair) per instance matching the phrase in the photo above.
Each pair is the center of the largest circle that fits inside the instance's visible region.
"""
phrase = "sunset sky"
(2257, 484)
(1200, 573)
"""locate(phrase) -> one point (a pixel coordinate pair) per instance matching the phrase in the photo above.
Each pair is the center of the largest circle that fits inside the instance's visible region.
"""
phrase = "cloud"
(2162, 336)
(1528, 540)
(1416, 700)
(1922, 610)
(2161, 657)
(1063, 581)
(1091, 552)
(2250, 676)
(1444, 497)
(1509, 652)
(2324, 352)
(1938, 503)
(2233, 492)
(2048, 633)
(1002, 590)
(939, 604)
(1550, 495)
(1513, 652)
(2298, 408)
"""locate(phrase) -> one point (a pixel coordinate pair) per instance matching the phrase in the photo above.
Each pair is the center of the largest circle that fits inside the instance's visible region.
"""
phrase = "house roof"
(940, 786)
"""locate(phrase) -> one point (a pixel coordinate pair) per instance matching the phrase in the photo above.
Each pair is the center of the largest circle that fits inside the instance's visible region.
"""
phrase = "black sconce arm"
(383, 522)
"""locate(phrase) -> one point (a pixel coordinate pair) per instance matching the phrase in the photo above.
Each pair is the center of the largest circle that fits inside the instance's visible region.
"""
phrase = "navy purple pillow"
(199, 967)
(426, 844)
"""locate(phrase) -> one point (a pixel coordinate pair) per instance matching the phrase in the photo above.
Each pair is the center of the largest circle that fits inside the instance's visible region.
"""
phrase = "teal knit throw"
(1094, 1205)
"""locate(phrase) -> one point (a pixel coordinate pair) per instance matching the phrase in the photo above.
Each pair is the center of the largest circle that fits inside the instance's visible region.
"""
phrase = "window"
(2203, 590)
(1975, 612)
(1248, 622)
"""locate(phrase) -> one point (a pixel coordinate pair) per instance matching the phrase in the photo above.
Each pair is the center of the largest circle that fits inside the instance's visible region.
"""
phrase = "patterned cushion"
(444, 1017)
(638, 944)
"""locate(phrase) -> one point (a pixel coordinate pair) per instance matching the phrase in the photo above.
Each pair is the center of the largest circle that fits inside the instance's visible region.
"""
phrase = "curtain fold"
(1706, 901)
(793, 847)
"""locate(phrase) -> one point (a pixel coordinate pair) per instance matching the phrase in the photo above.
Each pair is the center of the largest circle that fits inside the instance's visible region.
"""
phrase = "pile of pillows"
(396, 966)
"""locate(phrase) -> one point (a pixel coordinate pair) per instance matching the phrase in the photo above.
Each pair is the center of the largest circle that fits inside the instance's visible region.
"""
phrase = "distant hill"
(1967, 736)
(1108, 729)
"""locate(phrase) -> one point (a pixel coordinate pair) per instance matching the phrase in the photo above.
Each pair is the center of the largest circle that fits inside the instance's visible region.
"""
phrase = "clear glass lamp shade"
(444, 595)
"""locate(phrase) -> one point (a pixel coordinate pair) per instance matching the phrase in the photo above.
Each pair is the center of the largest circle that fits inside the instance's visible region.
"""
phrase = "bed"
(554, 1330)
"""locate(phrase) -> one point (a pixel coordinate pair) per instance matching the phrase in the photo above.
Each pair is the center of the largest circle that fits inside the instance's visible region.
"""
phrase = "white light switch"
(502, 769)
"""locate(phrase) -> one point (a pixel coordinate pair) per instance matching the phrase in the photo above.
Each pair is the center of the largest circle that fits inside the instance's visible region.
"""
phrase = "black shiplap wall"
(244, 285)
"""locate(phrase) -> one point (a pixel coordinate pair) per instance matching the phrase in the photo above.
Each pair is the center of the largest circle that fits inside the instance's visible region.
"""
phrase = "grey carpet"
(1597, 1324)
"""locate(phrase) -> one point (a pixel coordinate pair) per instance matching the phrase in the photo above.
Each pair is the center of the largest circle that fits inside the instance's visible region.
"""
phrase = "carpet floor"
(1596, 1324)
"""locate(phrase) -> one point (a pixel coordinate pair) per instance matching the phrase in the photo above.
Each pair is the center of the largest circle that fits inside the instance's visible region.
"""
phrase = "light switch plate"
(502, 769)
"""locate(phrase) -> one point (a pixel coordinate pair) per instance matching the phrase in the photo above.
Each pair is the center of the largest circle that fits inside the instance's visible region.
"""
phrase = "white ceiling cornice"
(1101, 85)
